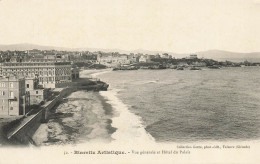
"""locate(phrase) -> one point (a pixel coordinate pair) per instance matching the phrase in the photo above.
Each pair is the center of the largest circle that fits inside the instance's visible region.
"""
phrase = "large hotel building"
(51, 74)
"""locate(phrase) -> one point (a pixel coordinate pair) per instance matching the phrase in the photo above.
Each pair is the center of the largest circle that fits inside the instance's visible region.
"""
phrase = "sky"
(180, 26)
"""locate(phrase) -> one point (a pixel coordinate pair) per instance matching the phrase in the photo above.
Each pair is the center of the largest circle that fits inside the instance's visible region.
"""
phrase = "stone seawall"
(24, 132)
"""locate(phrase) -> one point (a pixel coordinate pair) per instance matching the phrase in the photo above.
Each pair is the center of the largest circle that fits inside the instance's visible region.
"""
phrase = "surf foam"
(129, 126)
(93, 73)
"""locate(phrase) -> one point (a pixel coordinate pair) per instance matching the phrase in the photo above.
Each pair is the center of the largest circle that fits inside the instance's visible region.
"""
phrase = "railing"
(13, 98)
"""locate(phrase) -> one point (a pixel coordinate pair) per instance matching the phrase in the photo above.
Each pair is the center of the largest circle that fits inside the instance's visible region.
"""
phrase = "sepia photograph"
(130, 81)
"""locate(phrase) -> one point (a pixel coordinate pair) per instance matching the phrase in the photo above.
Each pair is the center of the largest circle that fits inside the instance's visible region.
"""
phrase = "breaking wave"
(129, 126)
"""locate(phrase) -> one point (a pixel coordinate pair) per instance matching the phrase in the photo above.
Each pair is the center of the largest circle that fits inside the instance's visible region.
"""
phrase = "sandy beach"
(83, 117)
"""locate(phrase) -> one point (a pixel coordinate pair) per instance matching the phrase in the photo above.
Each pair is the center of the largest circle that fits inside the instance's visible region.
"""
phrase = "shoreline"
(117, 116)
(108, 111)
(86, 117)
(116, 120)
(106, 106)
(119, 127)
(92, 73)
(129, 126)
(85, 109)
(44, 134)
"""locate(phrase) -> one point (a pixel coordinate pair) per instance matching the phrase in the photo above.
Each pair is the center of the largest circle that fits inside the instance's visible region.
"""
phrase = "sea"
(161, 106)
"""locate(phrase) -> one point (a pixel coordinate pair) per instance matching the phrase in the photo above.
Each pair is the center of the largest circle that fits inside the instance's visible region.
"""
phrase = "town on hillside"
(29, 78)
(32, 82)
(99, 59)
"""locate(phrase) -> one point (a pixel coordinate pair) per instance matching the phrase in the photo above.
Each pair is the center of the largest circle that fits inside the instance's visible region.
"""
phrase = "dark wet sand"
(108, 111)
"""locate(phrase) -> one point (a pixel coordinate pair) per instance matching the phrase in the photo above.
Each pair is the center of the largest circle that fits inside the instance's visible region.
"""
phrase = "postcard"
(130, 81)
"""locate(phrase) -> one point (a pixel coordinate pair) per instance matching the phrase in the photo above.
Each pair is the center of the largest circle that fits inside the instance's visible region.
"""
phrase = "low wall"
(23, 134)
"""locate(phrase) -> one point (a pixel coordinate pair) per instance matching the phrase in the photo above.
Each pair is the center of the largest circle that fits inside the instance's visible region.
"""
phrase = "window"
(36, 92)
(2, 84)
(2, 93)
(11, 94)
(11, 108)
(28, 85)
(11, 85)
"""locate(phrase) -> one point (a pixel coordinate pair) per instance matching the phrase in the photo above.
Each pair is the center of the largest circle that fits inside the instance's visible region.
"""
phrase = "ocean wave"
(93, 73)
(149, 82)
(129, 126)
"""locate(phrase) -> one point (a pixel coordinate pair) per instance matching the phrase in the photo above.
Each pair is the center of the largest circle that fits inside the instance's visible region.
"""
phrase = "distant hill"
(232, 56)
(23, 47)
(227, 54)
(211, 54)
(26, 46)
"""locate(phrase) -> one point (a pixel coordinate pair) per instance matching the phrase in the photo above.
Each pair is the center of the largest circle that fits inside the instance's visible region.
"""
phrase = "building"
(14, 100)
(133, 59)
(112, 60)
(145, 59)
(51, 74)
(183, 64)
(37, 94)
(34, 52)
(142, 59)
(157, 56)
(1, 69)
(199, 64)
(74, 73)
(165, 56)
(193, 56)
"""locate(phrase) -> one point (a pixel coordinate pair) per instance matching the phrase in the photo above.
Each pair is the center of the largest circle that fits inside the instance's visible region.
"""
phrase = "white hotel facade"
(51, 74)
(111, 60)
